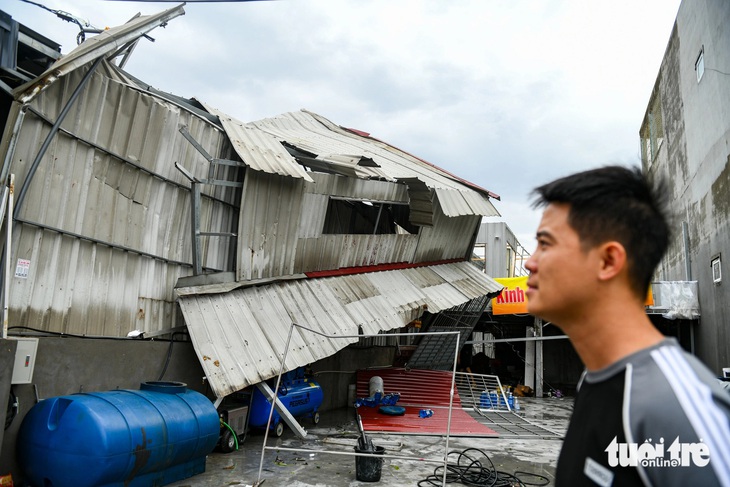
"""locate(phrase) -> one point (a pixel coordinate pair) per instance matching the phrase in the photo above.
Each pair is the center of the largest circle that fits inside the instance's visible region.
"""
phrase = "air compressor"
(301, 396)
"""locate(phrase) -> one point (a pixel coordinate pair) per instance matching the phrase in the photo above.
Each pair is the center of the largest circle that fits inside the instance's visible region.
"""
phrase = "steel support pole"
(8, 241)
(538, 358)
(195, 227)
(530, 358)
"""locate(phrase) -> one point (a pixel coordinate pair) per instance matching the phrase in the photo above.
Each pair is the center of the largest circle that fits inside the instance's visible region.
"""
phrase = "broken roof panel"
(330, 143)
(240, 336)
(258, 149)
(461, 203)
(109, 41)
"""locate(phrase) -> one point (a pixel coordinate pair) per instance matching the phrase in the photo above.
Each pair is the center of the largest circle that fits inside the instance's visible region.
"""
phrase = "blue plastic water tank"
(154, 436)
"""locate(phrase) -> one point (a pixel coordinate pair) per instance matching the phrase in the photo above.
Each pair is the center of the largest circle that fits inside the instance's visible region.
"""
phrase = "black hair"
(616, 203)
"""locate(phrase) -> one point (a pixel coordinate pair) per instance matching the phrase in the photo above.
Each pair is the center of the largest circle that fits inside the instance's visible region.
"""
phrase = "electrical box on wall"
(24, 360)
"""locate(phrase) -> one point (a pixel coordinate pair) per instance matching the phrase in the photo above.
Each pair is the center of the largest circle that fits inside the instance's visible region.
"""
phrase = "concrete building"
(685, 138)
(498, 252)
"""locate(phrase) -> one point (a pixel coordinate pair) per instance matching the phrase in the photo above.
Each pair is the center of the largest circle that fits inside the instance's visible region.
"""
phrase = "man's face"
(562, 282)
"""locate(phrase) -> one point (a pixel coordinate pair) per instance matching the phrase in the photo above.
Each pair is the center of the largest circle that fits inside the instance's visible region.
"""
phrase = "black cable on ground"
(474, 467)
(12, 408)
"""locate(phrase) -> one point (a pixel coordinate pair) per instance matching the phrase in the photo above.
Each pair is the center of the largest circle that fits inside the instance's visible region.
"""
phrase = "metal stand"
(443, 461)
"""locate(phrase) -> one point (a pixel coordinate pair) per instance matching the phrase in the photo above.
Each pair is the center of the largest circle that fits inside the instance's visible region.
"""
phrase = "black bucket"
(368, 469)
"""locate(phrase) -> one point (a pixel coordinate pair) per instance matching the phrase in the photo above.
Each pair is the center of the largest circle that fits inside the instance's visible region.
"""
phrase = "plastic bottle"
(425, 413)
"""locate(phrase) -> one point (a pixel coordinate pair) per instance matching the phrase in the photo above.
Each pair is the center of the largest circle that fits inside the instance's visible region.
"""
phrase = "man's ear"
(612, 260)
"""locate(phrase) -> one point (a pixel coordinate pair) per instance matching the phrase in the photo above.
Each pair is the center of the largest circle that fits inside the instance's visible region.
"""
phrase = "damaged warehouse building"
(156, 238)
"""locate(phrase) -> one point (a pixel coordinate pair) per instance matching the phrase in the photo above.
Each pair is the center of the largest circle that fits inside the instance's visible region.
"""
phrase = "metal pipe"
(332, 452)
(688, 275)
(8, 240)
(538, 359)
(451, 405)
(526, 339)
(377, 220)
(54, 131)
(687, 262)
(276, 391)
(530, 357)
(195, 227)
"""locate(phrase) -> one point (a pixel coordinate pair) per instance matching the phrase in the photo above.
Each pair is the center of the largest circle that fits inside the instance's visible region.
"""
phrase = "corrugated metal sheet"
(464, 204)
(418, 389)
(315, 134)
(259, 150)
(106, 218)
(448, 238)
(106, 42)
(271, 210)
(240, 336)
(281, 221)
(421, 202)
(359, 189)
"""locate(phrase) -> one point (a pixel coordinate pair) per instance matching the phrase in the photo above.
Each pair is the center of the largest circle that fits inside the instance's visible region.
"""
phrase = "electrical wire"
(84, 25)
(169, 353)
(474, 467)
(95, 337)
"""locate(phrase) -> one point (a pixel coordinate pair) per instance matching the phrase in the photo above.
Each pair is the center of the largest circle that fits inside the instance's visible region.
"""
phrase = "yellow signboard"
(512, 299)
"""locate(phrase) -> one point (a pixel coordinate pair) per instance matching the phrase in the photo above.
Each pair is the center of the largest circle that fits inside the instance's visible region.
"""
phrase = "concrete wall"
(7, 358)
(695, 157)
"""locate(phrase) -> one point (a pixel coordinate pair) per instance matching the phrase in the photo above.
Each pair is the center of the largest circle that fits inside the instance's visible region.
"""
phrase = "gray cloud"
(507, 95)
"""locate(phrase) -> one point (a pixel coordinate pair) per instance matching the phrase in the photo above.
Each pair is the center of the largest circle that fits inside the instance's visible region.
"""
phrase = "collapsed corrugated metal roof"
(109, 42)
(240, 336)
(260, 146)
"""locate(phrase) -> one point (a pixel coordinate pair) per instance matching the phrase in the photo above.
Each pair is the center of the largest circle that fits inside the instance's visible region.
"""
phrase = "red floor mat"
(419, 389)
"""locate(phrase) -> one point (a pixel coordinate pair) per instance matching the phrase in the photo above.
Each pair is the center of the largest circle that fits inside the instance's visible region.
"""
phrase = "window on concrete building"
(652, 131)
(700, 64)
(716, 265)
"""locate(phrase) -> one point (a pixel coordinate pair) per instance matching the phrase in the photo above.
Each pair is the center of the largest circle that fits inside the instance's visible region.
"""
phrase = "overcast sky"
(506, 94)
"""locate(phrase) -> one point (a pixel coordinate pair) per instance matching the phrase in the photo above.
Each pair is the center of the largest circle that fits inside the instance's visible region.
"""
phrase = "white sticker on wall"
(21, 269)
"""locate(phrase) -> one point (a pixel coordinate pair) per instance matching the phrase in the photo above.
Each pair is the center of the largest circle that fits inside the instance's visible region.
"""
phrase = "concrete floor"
(337, 431)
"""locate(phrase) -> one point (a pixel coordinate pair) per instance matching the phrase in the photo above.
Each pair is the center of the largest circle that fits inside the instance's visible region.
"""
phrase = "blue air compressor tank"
(300, 395)
(154, 436)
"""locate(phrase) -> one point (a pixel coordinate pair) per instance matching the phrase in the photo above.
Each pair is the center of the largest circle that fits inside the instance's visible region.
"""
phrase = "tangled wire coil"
(474, 467)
